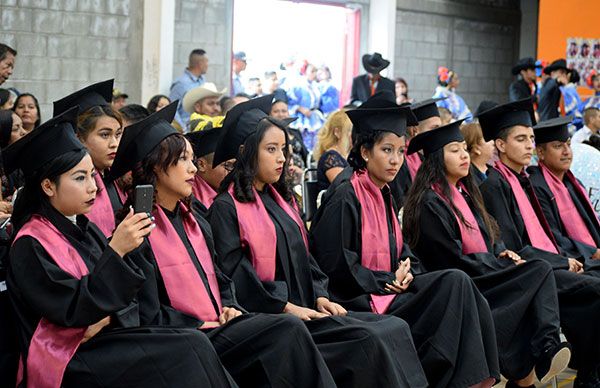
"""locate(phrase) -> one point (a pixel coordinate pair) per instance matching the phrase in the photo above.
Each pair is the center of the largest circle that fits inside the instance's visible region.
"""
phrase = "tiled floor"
(565, 380)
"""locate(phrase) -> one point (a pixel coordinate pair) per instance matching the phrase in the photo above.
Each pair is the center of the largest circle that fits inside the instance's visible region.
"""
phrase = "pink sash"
(52, 346)
(203, 192)
(413, 162)
(537, 235)
(569, 215)
(375, 250)
(257, 231)
(471, 237)
(184, 285)
(102, 213)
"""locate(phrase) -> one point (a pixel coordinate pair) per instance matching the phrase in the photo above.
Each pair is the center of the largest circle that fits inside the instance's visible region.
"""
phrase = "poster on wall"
(583, 55)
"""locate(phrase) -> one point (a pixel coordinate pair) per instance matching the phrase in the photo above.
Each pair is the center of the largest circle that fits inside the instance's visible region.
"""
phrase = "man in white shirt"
(591, 119)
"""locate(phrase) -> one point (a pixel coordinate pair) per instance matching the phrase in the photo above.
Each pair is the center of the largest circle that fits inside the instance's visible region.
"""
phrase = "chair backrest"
(310, 192)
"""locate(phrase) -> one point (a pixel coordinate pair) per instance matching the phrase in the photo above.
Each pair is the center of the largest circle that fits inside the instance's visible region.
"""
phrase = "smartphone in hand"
(143, 199)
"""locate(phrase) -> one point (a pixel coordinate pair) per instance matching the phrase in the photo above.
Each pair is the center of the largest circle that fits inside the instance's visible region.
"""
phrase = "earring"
(366, 159)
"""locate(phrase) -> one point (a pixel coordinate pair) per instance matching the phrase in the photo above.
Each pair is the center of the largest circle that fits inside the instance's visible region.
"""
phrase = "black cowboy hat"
(556, 65)
(524, 64)
(374, 63)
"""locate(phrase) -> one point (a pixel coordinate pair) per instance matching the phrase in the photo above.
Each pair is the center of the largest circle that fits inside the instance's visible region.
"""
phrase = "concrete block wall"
(66, 44)
(204, 24)
(477, 39)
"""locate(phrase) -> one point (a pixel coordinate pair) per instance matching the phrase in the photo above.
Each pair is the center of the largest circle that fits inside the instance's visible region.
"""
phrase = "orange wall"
(559, 20)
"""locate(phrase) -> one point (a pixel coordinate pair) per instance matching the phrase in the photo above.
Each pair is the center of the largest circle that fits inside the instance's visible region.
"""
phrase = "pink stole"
(257, 231)
(375, 249)
(569, 215)
(537, 235)
(102, 213)
(52, 346)
(471, 237)
(184, 285)
(413, 162)
(203, 192)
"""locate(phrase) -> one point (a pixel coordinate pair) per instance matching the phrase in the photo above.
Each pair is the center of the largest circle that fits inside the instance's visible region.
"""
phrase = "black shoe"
(552, 362)
(587, 380)
(512, 384)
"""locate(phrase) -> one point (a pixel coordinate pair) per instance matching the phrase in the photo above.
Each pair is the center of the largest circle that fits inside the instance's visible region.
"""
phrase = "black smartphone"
(144, 197)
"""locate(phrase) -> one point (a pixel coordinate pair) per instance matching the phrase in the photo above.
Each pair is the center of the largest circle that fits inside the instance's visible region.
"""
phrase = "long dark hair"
(368, 141)
(246, 166)
(163, 156)
(31, 198)
(35, 102)
(153, 103)
(433, 172)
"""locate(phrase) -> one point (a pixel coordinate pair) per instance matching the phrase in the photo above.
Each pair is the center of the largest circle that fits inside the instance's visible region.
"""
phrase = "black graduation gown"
(450, 321)
(360, 349)
(522, 298)
(111, 190)
(9, 352)
(120, 355)
(253, 347)
(578, 294)
(570, 247)
(401, 184)
(519, 90)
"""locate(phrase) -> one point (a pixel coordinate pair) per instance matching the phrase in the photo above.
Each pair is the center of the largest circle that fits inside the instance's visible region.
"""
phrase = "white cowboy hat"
(208, 89)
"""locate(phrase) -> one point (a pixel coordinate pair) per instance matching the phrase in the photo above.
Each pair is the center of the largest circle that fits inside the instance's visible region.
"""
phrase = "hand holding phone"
(143, 199)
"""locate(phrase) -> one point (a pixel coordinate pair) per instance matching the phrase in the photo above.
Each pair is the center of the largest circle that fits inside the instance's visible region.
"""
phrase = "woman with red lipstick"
(259, 350)
(99, 128)
(261, 244)
(76, 298)
(447, 226)
(357, 241)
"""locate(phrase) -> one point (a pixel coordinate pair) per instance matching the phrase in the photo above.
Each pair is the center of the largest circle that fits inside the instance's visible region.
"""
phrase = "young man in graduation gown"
(525, 85)
(509, 198)
(93, 104)
(565, 202)
(253, 347)
(428, 117)
(447, 226)
(76, 298)
(207, 179)
(357, 240)
(261, 245)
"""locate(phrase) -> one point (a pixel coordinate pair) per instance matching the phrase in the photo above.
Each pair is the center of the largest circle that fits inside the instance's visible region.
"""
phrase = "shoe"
(512, 384)
(552, 362)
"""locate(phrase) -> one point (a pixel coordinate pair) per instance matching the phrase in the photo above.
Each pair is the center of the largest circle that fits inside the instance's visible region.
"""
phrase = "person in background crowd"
(304, 100)
(333, 145)
(193, 76)
(571, 99)
(445, 115)
(203, 101)
(448, 82)
(401, 87)
(28, 109)
(591, 121)
(6, 99)
(11, 130)
(270, 82)
(157, 102)
(133, 113)
(7, 62)
(480, 151)
(593, 81)
(330, 96)
(299, 152)
(119, 99)
(366, 85)
(237, 66)
(254, 88)
(525, 84)
(565, 202)
(550, 93)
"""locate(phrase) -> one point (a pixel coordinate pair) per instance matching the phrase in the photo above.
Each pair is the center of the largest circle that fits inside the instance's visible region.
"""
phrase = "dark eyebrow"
(79, 172)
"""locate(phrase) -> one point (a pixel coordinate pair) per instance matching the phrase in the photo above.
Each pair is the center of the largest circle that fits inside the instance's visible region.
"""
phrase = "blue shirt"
(179, 88)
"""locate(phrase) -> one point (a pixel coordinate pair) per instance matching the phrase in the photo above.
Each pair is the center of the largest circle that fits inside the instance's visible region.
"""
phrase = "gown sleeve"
(252, 293)
(67, 301)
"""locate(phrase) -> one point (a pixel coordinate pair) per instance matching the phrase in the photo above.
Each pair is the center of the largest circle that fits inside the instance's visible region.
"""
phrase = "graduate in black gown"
(253, 347)
(564, 201)
(261, 245)
(509, 197)
(99, 128)
(357, 241)
(73, 294)
(447, 226)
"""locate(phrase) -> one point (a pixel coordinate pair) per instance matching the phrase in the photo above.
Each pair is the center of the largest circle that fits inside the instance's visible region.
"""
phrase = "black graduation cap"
(140, 138)
(499, 117)
(50, 140)
(240, 122)
(435, 139)
(426, 109)
(204, 142)
(381, 113)
(97, 94)
(553, 129)
(485, 105)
